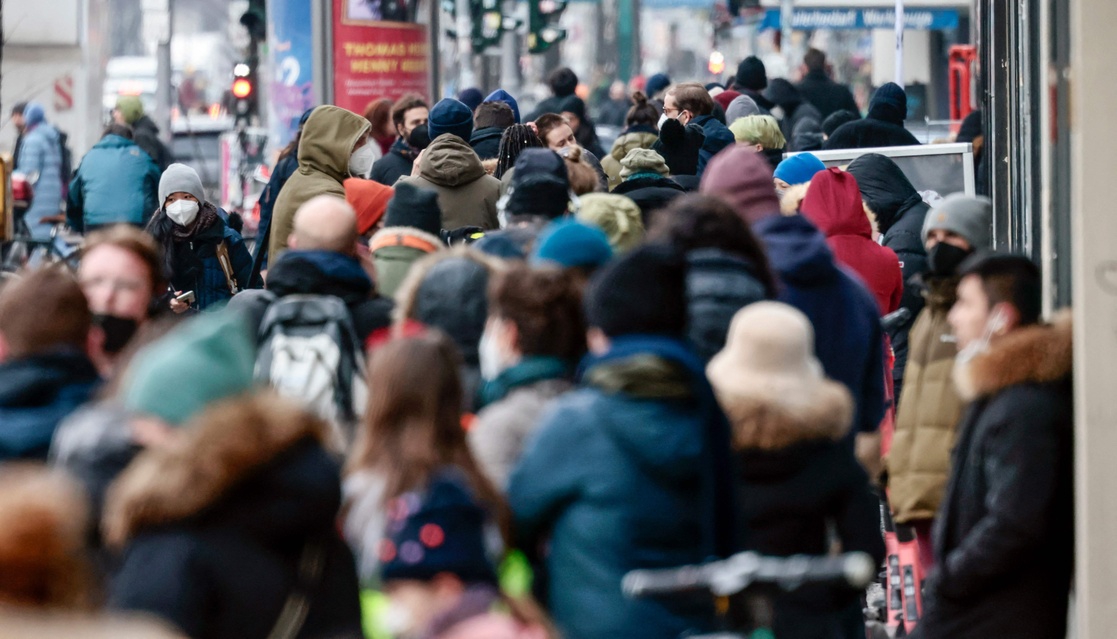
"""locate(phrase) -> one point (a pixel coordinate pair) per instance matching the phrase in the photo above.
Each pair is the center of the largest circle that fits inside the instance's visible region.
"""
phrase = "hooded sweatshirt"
(900, 213)
(329, 136)
(833, 203)
(467, 195)
(848, 337)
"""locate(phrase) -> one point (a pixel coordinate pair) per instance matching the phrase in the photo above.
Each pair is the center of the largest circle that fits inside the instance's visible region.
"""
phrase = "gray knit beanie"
(742, 106)
(970, 217)
(179, 178)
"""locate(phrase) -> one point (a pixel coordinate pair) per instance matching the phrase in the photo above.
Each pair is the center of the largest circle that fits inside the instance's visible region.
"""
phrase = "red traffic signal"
(242, 88)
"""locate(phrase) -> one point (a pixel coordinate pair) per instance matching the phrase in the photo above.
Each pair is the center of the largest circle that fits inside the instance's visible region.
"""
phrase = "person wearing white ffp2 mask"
(206, 260)
(360, 161)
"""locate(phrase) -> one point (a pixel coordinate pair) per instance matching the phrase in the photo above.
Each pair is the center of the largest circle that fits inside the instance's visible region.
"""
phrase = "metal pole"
(164, 92)
(787, 15)
(321, 45)
(900, 42)
(465, 47)
(433, 57)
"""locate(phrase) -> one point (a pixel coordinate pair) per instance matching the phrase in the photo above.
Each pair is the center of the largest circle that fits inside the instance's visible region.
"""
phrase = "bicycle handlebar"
(732, 575)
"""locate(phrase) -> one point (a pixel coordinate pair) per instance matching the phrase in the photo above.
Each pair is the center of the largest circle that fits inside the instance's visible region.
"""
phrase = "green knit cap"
(130, 107)
(207, 359)
(615, 214)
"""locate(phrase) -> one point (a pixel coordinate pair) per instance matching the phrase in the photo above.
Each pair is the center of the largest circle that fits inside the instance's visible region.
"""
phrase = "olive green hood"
(328, 139)
(450, 161)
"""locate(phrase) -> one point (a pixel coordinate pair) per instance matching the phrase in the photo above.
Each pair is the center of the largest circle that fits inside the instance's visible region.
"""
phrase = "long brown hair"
(413, 423)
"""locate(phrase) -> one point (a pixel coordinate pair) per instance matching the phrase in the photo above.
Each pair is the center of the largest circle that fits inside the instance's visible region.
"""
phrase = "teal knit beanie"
(207, 359)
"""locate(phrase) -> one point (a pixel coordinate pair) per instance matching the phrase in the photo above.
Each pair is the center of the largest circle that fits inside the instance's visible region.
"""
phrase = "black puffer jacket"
(718, 285)
(396, 163)
(879, 128)
(900, 213)
(1004, 537)
(214, 529)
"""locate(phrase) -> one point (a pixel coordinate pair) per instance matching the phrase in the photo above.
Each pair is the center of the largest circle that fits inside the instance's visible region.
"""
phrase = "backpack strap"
(222, 252)
(295, 609)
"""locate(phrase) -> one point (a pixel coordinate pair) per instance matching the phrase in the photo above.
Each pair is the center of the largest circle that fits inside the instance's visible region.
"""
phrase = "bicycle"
(24, 251)
(753, 580)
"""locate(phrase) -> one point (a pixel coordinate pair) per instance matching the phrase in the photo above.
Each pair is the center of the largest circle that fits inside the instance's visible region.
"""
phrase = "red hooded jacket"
(833, 204)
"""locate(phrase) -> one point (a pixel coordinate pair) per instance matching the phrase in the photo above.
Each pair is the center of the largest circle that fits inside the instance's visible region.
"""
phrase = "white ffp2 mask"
(182, 212)
(360, 162)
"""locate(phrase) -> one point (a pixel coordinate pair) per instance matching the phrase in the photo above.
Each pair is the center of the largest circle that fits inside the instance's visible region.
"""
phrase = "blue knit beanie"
(799, 169)
(657, 83)
(471, 97)
(570, 243)
(450, 116)
(500, 95)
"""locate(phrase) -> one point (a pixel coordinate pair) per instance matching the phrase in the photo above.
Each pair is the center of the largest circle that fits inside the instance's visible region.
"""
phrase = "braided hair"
(515, 139)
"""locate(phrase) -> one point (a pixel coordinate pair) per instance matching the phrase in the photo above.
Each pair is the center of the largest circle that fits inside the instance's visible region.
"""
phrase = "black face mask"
(118, 331)
(944, 259)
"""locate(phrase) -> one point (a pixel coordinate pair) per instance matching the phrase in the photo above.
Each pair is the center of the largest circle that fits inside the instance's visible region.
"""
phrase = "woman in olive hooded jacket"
(330, 136)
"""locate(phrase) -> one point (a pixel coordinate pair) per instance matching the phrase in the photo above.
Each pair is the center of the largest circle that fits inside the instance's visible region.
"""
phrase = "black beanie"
(837, 119)
(643, 292)
(680, 145)
(751, 74)
(414, 207)
(540, 185)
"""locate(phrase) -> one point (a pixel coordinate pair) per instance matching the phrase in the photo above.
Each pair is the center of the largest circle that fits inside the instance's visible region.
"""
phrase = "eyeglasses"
(667, 110)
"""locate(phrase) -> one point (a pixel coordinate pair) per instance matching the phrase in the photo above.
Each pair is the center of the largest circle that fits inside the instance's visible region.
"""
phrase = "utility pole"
(164, 92)
(465, 46)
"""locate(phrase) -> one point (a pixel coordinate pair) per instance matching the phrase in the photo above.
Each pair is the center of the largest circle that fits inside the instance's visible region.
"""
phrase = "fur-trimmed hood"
(766, 420)
(224, 455)
(1040, 354)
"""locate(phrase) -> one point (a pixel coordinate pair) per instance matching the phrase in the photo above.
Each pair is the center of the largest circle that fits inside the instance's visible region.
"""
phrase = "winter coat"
(826, 95)
(115, 182)
(718, 285)
(797, 482)
(926, 420)
(486, 142)
(1004, 537)
(395, 164)
(192, 263)
(636, 137)
(328, 138)
(36, 393)
(213, 529)
(299, 272)
(41, 153)
(718, 136)
(449, 291)
(282, 172)
(876, 129)
(394, 250)
(466, 194)
(146, 136)
(900, 212)
(848, 337)
(650, 192)
(512, 405)
(631, 471)
(833, 204)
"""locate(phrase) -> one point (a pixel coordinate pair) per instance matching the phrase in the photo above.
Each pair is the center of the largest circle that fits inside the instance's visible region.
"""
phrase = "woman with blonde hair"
(763, 133)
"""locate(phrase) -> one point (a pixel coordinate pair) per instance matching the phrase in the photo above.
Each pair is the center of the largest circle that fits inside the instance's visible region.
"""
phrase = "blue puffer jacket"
(622, 478)
(115, 182)
(36, 393)
(192, 263)
(41, 153)
(718, 137)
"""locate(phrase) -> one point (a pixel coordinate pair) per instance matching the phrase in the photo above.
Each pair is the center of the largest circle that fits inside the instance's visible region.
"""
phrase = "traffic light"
(488, 24)
(543, 17)
(244, 91)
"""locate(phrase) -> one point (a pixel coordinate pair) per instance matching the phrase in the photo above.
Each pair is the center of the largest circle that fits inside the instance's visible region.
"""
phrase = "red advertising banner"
(374, 58)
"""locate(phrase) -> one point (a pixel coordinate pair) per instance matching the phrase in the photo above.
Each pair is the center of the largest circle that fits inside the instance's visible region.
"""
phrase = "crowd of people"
(461, 390)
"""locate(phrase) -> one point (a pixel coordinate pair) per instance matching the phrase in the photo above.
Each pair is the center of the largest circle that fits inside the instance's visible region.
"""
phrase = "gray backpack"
(309, 352)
